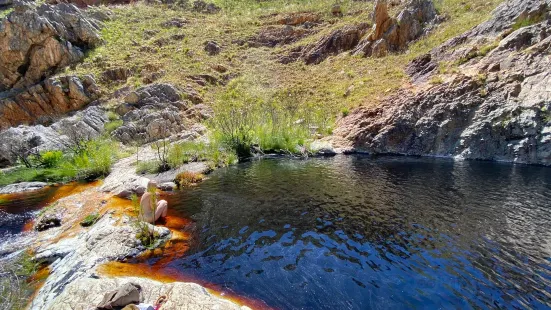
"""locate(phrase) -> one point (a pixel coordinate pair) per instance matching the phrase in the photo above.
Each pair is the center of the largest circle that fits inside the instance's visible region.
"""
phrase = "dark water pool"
(367, 233)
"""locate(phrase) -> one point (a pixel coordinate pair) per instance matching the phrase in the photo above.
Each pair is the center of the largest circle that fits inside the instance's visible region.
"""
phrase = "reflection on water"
(360, 232)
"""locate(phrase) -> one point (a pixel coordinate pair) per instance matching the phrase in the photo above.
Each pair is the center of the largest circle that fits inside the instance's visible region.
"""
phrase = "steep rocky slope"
(483, 95)
(35, 43)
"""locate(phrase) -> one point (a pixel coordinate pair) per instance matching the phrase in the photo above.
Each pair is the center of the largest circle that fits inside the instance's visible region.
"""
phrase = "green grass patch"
(90, 219)
(93, 159)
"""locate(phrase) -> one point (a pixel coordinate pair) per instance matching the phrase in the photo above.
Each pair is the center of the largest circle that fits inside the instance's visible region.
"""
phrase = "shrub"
(145, 167)
(188, 178)
(345, 112)
(51, 159)
(90, 219)
(112, 126)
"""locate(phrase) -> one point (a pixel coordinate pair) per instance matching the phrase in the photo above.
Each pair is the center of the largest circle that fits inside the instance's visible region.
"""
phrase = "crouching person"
(151, 209)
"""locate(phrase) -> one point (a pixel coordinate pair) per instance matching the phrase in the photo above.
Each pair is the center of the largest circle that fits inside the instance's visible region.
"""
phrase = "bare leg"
(162, 209)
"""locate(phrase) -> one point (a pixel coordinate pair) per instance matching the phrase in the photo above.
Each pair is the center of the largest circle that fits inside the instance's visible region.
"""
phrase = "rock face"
(45, 101)
(387, 34)
(393, 34)
(36, 42)
(498, 108)
(88, 123)
(157, 111)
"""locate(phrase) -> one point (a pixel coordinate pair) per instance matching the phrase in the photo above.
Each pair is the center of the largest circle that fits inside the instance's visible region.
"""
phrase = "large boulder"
(157, 111)
(44, 102)
(497, 107)
(35, 42)
(394, 34)
(88, 123)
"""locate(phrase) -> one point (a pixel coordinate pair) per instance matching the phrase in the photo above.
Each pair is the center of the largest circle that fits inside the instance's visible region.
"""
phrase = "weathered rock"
(205, 7)
(88, 292)
(88, 123)
(212, 48)
(394, 34)
(498, 112)
(22, 187)
(154, 112)
(76, 258)
(388, 34)
(174, 22)
(272, 36)
(44, 102)
(47, 221)
(116, 74)
(36, 42)
(338, 41)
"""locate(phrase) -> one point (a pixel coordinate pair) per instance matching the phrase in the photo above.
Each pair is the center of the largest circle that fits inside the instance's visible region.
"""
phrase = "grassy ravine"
(273, 96)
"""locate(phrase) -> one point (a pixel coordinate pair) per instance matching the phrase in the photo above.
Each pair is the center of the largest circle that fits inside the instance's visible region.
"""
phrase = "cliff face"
(35, 43)
(483, 95)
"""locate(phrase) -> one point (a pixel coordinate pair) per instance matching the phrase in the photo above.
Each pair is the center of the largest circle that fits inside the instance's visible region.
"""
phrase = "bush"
(112, 126)
(145, 167)
(51, 159)
(246, 118)
(188, 178)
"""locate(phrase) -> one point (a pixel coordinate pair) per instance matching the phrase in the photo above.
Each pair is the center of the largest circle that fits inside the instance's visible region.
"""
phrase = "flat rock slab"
(22, 187)
(88, 292)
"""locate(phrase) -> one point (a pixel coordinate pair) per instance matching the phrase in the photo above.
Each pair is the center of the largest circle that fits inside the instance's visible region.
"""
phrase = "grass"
(269, 106)
(94, 160)
(90, 219)
(18, 279)
(320, 87)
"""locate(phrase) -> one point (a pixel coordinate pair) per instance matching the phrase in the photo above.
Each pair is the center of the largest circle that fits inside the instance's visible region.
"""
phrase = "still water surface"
(355, 232)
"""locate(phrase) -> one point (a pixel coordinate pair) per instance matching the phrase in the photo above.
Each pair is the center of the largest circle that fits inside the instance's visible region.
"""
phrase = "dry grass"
(339, 82)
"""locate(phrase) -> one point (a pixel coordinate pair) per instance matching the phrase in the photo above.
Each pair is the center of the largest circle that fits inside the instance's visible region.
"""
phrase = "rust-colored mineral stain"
(167, 274)
(29, 225)
(73, 188)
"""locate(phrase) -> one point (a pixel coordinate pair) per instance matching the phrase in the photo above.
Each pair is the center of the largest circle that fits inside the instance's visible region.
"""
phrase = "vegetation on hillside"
(280, 105)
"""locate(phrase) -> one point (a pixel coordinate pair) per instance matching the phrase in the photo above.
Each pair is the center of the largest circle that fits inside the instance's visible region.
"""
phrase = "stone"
(42, 102)
(205, 7)
(63, 31)
(47, 221)
(212, 48)
(503, 116)
(116, 74)
(88, 123)
(22, 187)
(336, 10)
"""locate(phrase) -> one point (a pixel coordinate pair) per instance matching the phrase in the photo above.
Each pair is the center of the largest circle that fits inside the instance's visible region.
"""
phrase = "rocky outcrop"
(35, 42)
(44, 102)
(388, 34)
(76, 258)
(272, 36)
(496, 107)
(338, 41)
(393, 34)
(88, 123)
(158, 111)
